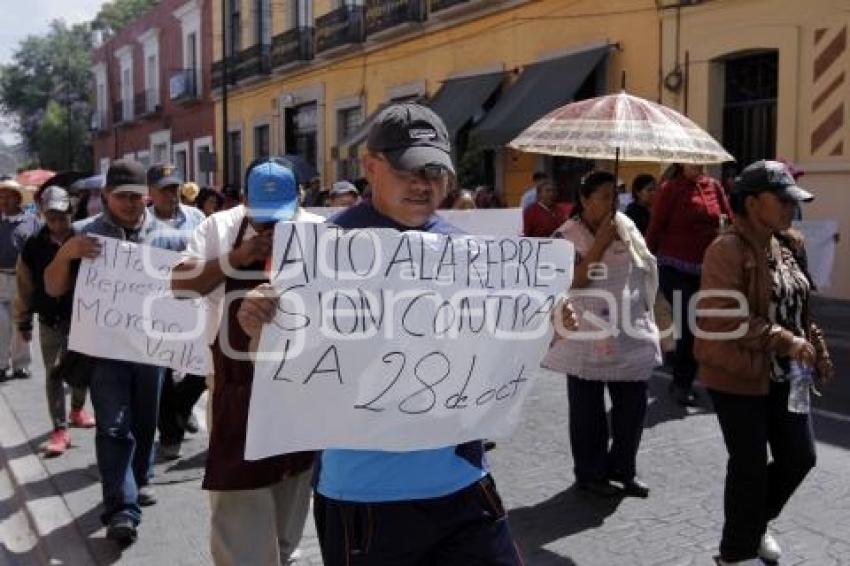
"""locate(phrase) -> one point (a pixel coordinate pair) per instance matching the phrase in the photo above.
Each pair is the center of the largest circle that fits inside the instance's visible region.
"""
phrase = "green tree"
(116, 14)
(61, 140)
(55, 67)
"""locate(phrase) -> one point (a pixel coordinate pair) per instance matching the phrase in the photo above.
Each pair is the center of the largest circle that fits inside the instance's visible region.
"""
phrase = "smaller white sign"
(124, 310)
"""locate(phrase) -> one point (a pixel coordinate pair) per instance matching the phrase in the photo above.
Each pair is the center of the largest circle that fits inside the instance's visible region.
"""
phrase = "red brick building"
(153, 99)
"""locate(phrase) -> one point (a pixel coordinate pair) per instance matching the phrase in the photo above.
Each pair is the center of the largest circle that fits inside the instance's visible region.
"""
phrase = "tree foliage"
(116, 14)
(55, 67)
(49, 81)
(61, 140)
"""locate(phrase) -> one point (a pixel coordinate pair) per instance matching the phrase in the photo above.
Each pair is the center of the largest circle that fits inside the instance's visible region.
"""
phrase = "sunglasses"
(427, 174)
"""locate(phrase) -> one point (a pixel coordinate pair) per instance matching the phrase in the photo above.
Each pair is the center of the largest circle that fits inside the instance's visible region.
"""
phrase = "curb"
(44, 514)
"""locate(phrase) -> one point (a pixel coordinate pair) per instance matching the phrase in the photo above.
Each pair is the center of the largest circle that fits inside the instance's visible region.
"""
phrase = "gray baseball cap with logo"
(772, 176)
(411, 136)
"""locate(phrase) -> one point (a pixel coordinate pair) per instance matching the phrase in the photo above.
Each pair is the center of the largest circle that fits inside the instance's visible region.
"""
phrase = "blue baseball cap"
(272, 192)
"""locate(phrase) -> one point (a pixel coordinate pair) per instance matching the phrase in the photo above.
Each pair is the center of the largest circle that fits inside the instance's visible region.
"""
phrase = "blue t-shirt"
(371, 475)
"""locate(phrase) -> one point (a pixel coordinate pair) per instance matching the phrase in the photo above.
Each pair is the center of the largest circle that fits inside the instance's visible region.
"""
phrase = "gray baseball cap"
(126, 176)
(55, 198)
(342, 188)
(772, 176)
(411, 136)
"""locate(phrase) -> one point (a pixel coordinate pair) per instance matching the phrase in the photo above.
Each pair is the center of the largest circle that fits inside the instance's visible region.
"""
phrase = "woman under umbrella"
(616, 346)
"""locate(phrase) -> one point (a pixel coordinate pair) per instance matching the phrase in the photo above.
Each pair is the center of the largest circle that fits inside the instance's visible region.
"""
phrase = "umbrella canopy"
(89, 183)
(622, 127)
(34, 177)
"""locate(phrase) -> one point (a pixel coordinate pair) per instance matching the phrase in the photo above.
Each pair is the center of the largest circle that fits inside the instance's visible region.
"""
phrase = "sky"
(28, 17)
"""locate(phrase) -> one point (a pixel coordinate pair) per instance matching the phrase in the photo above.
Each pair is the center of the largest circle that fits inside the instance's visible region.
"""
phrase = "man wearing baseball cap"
(125, 395)
(259, 508)
(15, 227)
(175, 222)
(54, 314)
(436, 506)
(343, 194)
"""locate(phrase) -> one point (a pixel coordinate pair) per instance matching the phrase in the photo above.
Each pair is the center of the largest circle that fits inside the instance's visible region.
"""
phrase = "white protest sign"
(400, 341)
(820, 248)
(479, 221)
(124, 310)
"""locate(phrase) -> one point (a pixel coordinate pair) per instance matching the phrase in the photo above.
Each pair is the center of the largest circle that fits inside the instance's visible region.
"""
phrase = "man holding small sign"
(373, 506)
(125, 394)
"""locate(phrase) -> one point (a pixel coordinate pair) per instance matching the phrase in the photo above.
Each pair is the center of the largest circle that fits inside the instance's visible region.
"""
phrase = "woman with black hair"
(643, 193)
(209, 201)
(616, 345)
(757, 363)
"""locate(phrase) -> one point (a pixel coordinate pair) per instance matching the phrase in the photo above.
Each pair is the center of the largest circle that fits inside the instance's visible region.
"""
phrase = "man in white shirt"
(258, 508)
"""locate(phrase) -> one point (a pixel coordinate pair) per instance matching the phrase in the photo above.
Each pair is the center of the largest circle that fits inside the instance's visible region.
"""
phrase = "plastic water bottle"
(801, 378)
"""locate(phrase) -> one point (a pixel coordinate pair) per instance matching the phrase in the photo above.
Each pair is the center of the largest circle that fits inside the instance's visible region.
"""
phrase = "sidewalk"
(682, 458)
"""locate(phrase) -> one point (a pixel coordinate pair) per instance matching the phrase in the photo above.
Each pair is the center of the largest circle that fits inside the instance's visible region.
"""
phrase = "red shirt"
(686, 219)
(541, 222)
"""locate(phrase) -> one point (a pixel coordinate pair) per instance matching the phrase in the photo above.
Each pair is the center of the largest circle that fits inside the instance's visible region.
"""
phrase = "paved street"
(682, 458)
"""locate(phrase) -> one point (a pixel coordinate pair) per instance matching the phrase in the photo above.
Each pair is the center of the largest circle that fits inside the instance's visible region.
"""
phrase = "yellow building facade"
(798, 52)
(766, 77)
(435, 41)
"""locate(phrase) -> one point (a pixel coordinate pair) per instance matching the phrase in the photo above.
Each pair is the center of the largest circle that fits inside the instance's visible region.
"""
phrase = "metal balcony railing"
(147, 102)
(182, 85)
(339, 27)
(385, 14)
(253, 61)
(118, 114)
(437, 5)
(293, 45)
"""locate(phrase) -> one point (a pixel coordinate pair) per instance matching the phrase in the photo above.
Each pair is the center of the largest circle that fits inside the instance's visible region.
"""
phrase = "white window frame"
(189, 15)
(232, 129)
(197, 145)
(161, 137)
(263, 121)
(104, 165)
(150, 48)
(307, 95)
(185, 148)
(341, 105)
(144, 157)
(125, 64)
(101, 89)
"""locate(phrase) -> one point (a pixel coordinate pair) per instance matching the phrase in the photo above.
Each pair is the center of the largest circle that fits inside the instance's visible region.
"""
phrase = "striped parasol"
(34, 177)
(621, 127)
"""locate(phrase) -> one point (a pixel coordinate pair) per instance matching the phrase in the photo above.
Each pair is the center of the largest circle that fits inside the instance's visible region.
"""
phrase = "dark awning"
(541, 88)
(461, 99)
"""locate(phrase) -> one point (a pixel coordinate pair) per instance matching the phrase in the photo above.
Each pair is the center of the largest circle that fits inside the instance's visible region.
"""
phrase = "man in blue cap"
(258, 508)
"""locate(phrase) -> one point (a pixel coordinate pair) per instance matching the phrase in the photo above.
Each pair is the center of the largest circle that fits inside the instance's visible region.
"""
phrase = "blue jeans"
(125, 397)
